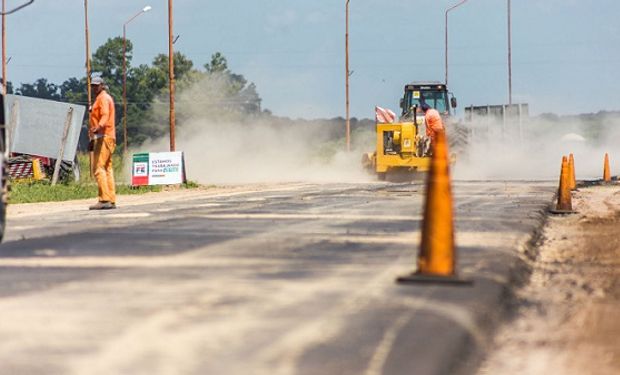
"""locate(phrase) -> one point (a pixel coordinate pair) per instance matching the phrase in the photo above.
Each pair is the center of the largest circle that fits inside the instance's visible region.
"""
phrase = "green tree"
(218, 67)
(108, 60)
(238, 95)
(9, 86)
(182, 64)
(250, 100)
(218, 64)
(144, 84)
(41, 88)
(73, 90)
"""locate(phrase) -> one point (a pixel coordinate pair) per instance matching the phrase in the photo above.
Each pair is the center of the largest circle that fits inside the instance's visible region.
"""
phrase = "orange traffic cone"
(571, 169)
(437, 256)
(564, 205)
(606, 173)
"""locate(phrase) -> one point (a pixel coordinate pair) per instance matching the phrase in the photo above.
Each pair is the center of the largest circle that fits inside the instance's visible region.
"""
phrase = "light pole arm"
(446, 29)
(132, 18)
(347, 75)
(456, 5)
(144, 10)
(3, 13)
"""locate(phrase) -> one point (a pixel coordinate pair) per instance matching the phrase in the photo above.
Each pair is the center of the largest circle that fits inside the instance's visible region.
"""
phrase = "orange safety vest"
(433, 123)
(103, 115)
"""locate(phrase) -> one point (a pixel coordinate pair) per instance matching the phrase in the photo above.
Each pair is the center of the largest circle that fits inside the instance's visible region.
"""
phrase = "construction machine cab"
(435, 94)
(402, 150)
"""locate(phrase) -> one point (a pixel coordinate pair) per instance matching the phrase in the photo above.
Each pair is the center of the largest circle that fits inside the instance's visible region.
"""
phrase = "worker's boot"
(102, 206)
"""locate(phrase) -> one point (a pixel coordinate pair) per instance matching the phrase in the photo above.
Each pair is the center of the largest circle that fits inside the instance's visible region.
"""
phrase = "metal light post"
(171, 74)
(87, 55)
(347, 75)
(509, 57)
(446, 50)
(4, 13)
(4, 81)
(91, 154)
(144, 10)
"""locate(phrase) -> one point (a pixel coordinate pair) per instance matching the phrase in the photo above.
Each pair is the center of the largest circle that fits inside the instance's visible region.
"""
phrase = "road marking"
(375, 367)
(209, 205)
(129, 215)
(265, 216)
(128, 262)
(284, 353)
(45, 253)
(401, 239)
(258, 199)
(21, 227)
(456, 313)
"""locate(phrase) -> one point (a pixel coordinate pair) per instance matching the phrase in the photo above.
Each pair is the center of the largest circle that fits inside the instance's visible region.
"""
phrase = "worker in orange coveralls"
(102, 133)
(433, 121)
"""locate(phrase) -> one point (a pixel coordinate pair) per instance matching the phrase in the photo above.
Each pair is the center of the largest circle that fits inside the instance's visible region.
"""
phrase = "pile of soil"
(567, 319)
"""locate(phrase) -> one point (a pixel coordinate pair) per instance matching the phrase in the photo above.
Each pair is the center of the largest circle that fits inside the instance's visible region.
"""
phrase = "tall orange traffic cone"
(437, 256)
(571, 170)
(564, 205)
(606, 173)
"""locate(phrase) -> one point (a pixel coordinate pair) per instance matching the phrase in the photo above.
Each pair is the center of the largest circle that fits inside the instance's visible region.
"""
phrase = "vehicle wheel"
(382, 176)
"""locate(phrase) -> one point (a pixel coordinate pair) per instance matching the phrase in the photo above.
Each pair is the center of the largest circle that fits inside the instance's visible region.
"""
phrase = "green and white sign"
(158, 168)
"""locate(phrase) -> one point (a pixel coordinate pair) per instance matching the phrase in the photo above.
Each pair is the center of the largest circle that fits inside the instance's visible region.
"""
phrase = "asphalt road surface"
(288, 279)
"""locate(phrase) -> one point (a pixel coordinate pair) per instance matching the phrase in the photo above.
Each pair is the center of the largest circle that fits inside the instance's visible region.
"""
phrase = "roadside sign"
(158, 168)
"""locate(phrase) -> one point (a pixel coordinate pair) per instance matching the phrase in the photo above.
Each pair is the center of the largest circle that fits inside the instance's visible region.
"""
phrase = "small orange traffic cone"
(606, 173)
(564, 205)
(571, 169)
(437, 256)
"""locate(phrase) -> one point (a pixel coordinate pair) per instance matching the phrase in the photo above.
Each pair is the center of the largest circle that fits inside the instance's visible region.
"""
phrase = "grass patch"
(30, 191)
(43, 191)
(117, 164)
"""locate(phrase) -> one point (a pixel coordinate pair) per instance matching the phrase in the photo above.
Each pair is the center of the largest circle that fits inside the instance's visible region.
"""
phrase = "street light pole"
(4, 81)
(347, 75)
(446, 29)
(171, 74)
(144, 10)
(509, 56)
(91, 154)
(87, 54)
(4, 14)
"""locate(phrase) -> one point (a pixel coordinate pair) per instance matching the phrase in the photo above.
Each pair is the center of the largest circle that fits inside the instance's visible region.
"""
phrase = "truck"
(402, 150)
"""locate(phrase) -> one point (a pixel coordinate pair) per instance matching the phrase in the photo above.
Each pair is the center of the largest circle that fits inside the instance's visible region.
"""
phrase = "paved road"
(297, 279)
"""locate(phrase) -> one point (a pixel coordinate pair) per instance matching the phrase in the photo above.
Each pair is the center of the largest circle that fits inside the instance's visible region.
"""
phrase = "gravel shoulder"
(566, 318)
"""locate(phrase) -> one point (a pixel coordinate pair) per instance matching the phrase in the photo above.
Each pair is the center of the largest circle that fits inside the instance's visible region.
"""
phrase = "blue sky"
(565, 52)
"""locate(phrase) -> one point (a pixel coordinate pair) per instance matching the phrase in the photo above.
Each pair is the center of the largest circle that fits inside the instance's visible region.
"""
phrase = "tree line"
(215, 85)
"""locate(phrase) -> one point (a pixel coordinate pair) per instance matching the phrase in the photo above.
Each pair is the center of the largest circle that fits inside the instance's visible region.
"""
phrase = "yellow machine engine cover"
(396, 148)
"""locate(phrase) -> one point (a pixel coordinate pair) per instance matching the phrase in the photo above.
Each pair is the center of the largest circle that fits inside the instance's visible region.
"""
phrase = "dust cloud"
(260, 151)
(533, 149)
(223, 146)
